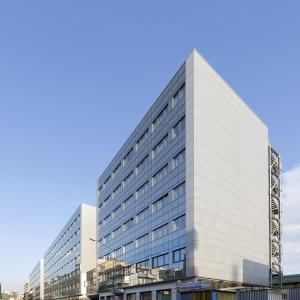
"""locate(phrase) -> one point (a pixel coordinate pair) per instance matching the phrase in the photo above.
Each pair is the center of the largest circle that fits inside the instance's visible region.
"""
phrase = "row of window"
(156, 122)
(71, 263)
(179, 127)
(156, 178)
(158, 204)
(174, 225)
(75, 222)
(62, 248)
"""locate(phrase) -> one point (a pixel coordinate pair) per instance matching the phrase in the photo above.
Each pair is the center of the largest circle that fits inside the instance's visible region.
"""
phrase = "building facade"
(36, 281)
(188, 196)
(61, 274)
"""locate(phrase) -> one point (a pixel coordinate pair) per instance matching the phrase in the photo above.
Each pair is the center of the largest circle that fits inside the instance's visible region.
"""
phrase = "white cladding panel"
(227, 181)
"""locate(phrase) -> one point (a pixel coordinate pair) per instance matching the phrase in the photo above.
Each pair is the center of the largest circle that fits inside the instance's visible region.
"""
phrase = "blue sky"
(77, 76)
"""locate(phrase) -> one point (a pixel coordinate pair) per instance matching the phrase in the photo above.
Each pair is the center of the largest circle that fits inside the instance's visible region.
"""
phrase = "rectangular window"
(160, 146)
(107, 180)
(178, 191)
(117, 211)
(160, 232)
(159, 118)
(178, 96)
(100, 225)
(178, 128)
(117, 232)
(107, 219)
(146, 296)
(178, 223)
(160, 261)
(142, 215)
(128, 179)
(142, 265)
(141, 140)
(142, 240)
(163, 295)
(127, 202)
(116, 191)
(106, 239)
(117, 170)
(107, 201)
(179, 255)
(128, 247)
(178, 159)
(142, 190)
(160, 203)
(129, 224)
(131, 296)
(118, 252)
(160, 175)
(128, 157)
(142, 165)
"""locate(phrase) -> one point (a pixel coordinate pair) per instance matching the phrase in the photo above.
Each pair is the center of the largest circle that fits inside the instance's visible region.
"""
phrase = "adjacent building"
(192, 199)
(36, 281)
(62, 273)
(26, 291)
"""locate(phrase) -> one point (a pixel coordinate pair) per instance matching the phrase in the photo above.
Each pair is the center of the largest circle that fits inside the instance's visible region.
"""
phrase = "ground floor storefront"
(169, 291)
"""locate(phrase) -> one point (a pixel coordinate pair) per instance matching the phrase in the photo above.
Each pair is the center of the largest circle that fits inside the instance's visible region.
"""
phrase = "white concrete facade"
(227, 204)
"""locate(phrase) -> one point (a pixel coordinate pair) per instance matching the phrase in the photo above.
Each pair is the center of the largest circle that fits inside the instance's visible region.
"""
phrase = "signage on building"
(193, 285)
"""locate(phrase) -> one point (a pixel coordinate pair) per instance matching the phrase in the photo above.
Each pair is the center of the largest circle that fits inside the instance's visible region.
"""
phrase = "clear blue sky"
(77, 76)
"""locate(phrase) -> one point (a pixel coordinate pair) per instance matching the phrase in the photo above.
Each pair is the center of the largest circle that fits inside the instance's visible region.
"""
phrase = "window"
(128, 157)
(116, 191)
(178, 191)
(107, 180)
(116, 211)
(163, 295)
(128, 179)
(128, 247)
(142, 190)
(131, 296)
(142, 240)
(160, 203)
(117, 170)
(118, 252)
(127, 202)
(146, 296)
(106, 239)
(141, 140)
(100, 225)
(179, 255)
(142, 265)
(142, 215)
(160, 232)
(178, 96)
(160, 146)
(117, 232)
(142, 165)
(129, 224)
(159, 118)
(107, 219)
(178, 159)
(160, 260)
(178, 128)
(107, 201)
(160, 175)
(178, 223)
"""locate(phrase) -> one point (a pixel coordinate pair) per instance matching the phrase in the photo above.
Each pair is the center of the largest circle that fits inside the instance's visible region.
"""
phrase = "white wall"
(227, 181)
(88, 242)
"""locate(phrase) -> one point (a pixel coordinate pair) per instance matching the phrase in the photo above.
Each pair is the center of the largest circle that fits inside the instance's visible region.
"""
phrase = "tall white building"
(193, 194)
(62, 273)
(36, 281)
